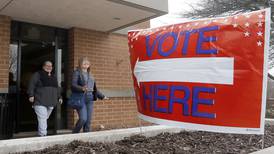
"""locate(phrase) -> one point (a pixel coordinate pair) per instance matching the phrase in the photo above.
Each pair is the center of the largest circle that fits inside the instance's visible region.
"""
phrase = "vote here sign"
(205, 75)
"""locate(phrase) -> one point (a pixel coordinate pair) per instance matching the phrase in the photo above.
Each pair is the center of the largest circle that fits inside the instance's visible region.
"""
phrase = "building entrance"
(30, 46)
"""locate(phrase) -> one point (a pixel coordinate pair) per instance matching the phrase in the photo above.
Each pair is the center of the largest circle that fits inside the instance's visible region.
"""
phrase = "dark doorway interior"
(33, 55)
(30, 46)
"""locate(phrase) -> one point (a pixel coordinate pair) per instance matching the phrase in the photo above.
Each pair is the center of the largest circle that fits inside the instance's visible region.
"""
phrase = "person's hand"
(31, 99)
(60, 100)
(84, 88)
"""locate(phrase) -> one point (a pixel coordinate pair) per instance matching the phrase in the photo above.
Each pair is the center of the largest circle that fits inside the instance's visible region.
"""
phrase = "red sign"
(207, 74)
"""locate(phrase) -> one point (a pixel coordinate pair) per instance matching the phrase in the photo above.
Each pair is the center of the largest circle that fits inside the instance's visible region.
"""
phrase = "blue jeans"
(43, 114)
(85, 115)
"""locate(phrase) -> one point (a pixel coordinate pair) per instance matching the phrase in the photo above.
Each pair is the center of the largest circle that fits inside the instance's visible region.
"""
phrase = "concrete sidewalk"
(38, 143)
(269, 150)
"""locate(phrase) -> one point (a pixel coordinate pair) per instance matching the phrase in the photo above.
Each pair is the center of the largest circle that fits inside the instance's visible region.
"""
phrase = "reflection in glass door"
(13, 84)
(13, 58)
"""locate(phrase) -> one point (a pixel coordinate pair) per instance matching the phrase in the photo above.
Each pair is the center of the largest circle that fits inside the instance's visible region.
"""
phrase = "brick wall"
(110, 66)
(4, 52)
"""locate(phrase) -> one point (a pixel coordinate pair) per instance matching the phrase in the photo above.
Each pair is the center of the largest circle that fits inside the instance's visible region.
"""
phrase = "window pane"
(37, 32)
(13, 67)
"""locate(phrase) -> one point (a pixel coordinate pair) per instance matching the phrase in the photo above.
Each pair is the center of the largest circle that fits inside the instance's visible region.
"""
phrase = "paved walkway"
(269, 150)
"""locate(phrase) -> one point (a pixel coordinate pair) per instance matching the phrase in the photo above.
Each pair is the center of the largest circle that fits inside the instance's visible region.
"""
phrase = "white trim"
(266, 49)
(201, 127)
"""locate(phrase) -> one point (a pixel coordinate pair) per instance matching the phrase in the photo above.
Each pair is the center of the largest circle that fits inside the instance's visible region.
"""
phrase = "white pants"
(43, 114)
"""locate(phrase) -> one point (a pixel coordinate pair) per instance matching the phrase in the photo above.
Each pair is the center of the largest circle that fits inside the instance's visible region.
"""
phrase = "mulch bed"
(185, 142)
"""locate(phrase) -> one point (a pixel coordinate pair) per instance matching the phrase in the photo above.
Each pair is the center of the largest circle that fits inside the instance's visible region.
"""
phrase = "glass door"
(31, 45)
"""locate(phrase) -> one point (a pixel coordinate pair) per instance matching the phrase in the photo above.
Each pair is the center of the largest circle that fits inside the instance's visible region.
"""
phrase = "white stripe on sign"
(216, 70)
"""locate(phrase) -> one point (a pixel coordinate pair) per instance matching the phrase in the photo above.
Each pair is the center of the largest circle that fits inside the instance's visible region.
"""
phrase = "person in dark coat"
(44, 93)
(83, 82)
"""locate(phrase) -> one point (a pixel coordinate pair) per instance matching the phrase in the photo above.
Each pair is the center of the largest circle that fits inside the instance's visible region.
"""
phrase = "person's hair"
(81, 61)
(47, 61)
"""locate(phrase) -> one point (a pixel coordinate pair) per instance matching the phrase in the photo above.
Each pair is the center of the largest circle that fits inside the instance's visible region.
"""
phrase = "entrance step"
(34, 133)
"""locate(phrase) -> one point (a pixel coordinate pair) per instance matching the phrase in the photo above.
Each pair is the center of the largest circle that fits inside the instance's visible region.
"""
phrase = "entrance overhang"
(100, 15)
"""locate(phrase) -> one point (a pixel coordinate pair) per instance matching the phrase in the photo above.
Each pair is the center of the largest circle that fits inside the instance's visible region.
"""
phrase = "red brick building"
(32, 31)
